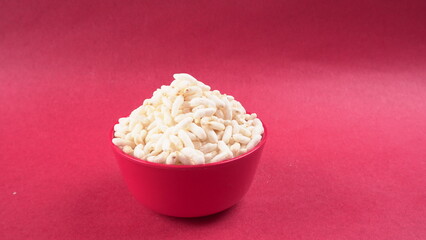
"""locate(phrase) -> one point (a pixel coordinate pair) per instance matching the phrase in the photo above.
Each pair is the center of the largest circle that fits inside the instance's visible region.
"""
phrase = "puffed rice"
(187, 123)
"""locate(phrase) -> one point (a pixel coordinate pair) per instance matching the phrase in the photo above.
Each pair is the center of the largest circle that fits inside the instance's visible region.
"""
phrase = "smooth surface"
(190, 190)
(340, 84)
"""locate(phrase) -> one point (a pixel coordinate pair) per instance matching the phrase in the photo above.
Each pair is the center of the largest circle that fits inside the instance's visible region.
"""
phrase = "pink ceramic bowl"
(189, 191)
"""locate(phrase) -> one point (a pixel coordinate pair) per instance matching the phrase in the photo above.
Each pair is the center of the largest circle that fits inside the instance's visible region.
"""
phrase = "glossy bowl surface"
(189, 190)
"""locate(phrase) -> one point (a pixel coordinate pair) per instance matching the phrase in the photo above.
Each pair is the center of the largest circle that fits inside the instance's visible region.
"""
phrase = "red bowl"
(189, 191)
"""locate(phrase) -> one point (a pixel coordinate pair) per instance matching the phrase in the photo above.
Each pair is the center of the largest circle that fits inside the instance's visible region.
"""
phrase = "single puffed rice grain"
(198, 131)
(253, 142)
(176, 142)
(235, 148)
(176, 105)
(216, 126)
(171, 159)
(211, 135)
(127, 149)
(241, 138)
(183, 136)
(227, 134)
(204, 112)
(224, 148)
(208, 147)
(221, 156)
(138, 151)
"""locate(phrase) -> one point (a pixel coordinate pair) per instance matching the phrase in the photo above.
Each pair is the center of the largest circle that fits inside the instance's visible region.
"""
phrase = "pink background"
(341, 86)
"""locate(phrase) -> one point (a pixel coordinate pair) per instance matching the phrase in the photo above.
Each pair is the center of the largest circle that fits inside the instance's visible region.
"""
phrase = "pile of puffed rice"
(186, 123)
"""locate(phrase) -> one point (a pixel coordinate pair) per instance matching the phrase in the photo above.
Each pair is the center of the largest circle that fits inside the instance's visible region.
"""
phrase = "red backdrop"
(341, 86)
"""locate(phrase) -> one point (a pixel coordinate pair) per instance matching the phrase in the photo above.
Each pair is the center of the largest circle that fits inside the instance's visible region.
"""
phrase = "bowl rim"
(173, 166)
